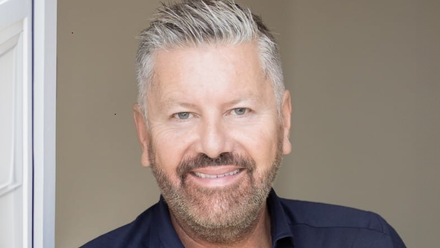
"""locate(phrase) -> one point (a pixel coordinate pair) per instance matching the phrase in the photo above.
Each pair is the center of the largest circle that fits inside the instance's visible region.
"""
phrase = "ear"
(142, 133)
(286, 112)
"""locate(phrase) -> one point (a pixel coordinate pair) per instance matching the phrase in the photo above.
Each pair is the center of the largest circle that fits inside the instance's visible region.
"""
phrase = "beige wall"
(365, 77)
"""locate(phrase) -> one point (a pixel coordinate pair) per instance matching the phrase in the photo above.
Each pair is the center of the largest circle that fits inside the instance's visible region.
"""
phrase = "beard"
(217, 215)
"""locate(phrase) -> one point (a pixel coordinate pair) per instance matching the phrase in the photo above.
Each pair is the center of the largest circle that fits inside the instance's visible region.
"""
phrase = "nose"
(213, 139)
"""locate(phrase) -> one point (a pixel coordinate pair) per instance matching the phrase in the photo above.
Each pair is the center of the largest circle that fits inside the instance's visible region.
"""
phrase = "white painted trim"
(45, 17)
(28, 133)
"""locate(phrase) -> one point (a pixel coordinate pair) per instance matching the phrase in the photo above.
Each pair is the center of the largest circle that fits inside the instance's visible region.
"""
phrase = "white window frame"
(44, 117)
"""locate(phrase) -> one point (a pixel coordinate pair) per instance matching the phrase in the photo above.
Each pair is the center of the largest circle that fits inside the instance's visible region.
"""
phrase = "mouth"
(202, 175)
(217, 176)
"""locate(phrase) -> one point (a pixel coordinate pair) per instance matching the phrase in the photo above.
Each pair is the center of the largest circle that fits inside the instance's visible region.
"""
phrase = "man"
(213, 120)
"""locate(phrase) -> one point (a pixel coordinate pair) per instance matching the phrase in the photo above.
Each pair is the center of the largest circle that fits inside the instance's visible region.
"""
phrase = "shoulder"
(361, 228)
(328, 215)
(127, 236)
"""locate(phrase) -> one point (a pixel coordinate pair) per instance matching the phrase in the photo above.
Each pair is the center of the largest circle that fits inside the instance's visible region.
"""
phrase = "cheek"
(169, 145)
(259, 142)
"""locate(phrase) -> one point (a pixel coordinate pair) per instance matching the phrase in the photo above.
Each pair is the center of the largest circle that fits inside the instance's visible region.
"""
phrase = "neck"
(257, 236)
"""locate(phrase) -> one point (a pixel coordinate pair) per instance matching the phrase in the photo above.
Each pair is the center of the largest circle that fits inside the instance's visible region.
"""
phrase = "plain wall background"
(365, 79)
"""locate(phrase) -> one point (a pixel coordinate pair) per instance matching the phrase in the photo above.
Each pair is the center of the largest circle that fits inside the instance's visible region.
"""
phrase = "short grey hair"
(197, 22)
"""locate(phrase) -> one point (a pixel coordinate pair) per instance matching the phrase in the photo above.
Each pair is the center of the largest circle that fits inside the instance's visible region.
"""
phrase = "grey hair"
(197, 22)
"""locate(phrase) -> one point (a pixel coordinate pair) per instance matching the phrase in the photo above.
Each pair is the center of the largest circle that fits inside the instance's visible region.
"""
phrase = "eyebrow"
(234, 102)
(168, 103)
(172, 102)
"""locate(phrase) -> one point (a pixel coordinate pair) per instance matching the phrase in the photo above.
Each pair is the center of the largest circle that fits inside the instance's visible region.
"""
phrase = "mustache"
(202, 160)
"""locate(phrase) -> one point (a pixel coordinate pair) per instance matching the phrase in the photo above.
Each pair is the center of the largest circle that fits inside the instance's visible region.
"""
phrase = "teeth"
(201, 175)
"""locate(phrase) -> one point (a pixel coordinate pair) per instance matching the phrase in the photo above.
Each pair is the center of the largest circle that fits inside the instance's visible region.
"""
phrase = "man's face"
(214, 137)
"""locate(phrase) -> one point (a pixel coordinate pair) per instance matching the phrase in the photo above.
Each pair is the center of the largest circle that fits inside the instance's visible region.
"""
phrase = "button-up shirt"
(294, 223)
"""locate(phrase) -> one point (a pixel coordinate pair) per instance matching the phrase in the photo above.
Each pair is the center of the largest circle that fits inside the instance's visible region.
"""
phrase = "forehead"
(217, 67)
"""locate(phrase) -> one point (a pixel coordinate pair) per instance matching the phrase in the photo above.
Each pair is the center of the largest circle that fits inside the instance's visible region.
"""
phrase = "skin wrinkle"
(168, 98)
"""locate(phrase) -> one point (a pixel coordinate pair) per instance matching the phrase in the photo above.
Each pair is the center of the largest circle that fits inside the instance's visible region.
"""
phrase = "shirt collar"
(279, 222)
(280, 226)
(165, 231)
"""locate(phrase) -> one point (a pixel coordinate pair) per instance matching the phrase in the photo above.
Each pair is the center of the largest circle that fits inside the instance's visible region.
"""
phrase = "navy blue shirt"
(294, 223)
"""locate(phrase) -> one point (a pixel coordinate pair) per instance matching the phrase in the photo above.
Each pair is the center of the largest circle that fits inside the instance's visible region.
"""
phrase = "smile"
(217, 176)
(202, 175)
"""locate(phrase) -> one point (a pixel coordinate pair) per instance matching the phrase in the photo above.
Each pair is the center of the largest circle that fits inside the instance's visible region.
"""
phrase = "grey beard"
(221, 216)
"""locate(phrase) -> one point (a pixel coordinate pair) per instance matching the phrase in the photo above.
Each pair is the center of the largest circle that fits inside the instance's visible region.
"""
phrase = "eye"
(240, 111)
(182, 115)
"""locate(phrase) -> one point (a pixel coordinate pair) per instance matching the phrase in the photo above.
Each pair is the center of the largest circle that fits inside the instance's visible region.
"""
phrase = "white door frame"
(44, 112)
